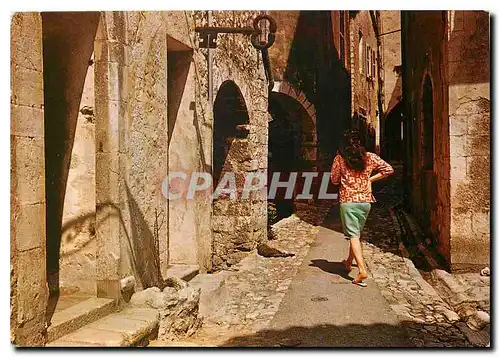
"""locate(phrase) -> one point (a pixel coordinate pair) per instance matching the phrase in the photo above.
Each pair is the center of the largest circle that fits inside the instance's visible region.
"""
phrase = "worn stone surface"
(177, 307)
(78, 246)
(455, 45)
(252, 289)
(130, 327)
(430, 320)
(28, 295)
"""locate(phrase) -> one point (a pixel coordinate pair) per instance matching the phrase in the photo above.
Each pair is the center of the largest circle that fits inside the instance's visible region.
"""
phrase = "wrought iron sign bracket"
(208, 35)
(208, 39)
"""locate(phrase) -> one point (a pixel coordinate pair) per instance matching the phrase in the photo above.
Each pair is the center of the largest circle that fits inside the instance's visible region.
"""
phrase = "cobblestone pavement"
(429, 320)
(256, 285)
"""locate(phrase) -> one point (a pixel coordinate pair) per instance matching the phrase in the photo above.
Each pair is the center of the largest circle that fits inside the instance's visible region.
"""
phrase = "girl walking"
(352, 169)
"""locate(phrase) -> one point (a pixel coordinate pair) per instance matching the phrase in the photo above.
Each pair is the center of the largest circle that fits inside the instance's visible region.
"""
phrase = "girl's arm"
(383, 168)
(335, 172)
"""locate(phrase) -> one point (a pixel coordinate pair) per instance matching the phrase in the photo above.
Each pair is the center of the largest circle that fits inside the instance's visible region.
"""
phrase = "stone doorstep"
(184, 272)
(79, 315)
(130, 327)
(212, 288)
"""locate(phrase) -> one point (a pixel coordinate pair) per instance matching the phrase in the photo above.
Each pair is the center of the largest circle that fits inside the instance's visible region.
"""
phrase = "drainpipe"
(210, 64)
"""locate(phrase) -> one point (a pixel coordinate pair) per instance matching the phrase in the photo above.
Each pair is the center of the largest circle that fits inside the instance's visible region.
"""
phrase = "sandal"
(359, 283)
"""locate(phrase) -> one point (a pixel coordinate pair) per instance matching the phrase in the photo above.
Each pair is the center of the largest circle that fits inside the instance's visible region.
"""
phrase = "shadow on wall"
(314, 68)
(327, 335)
(68, 41)
(142, 243)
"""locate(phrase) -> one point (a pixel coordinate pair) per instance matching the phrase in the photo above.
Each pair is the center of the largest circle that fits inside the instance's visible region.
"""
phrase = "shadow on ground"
(322, 336)
(336, 268)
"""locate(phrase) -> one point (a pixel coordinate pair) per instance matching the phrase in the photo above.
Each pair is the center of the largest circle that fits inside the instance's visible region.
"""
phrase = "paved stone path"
(264, 294)
(255, 286)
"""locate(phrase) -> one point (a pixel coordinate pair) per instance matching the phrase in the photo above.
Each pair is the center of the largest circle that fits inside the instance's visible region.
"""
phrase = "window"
(373, 64)
(342, 37)
(361, 53)
(368, 55)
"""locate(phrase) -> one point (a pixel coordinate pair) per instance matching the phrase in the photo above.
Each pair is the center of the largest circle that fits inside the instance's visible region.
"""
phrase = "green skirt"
(353, 216)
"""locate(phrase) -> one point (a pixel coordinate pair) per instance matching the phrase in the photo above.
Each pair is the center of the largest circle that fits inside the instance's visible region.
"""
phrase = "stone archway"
(232, 224)
(292, 143)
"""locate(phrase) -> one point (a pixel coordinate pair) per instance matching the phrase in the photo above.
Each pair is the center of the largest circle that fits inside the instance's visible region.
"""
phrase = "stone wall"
(391, 54)
(452, 200)
(238, 226)
(424, 33)
(166, 126)
(468, 69)
(364, 88)
(304, 59)
(391, 144)
(78, 244)
(28, 295)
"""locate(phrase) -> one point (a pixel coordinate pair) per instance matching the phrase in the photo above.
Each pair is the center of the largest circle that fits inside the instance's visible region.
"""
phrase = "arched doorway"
(393, 133)
(292, 147)
(428, 178)
(230, 116)
(231, 221)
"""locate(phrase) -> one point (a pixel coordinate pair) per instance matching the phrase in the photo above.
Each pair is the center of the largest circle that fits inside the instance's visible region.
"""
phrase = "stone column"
(29, 291)
(110, 82)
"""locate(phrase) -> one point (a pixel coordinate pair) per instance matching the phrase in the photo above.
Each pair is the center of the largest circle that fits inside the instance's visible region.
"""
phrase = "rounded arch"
(231, 121)
(289, 90)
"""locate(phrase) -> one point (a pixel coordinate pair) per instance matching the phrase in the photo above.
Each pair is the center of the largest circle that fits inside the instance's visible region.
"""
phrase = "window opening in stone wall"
(360, 53)
(428, 125)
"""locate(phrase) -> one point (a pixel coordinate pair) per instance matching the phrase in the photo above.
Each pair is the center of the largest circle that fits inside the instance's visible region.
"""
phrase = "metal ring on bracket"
(271, 36)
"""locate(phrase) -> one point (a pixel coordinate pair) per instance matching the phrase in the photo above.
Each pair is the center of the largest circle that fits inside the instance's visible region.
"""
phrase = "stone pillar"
(110, 111)
(29, 291)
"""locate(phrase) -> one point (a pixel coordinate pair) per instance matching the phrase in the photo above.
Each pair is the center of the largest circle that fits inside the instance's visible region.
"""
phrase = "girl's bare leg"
(356, 249)
(348, 261)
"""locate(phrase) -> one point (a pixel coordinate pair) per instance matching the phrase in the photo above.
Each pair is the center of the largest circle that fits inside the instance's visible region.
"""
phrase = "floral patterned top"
(355, 186)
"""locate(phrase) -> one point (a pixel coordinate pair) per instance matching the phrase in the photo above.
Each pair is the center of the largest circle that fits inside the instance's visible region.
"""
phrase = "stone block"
(458, 169)
(26, 39)
(481, 222)
(461, 223)
(31, 333)
(79, 315)
(29, 224)
(458, 125)
(31, 284)
(478, 145)
(458, 146)
(91, 336)
(27, 87)
(478, 169)
(479, 124)
(26, 121)
(28, 169)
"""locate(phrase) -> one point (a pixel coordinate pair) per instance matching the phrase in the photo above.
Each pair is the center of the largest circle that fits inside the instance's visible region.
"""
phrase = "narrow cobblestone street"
(256, 286)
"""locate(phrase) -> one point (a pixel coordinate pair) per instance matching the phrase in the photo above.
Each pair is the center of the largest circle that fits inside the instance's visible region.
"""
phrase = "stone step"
(213, 291)
(184, 272)
(130, 327)
(78, 315)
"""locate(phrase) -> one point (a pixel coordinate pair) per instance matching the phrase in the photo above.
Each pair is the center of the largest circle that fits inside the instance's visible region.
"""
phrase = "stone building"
(364, 71)
(446, 81)
(391, 122)
(310, 101)
(104, 106)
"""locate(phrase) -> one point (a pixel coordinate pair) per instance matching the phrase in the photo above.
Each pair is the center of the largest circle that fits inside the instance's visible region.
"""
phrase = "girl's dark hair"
(353, 151)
